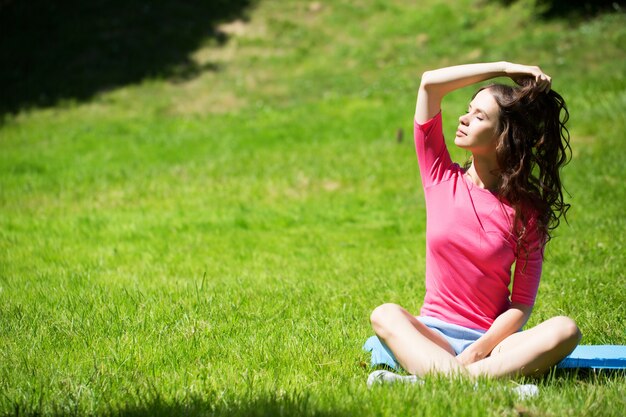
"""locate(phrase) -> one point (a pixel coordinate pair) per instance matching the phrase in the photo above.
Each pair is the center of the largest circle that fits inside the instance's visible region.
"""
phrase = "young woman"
(484, 220)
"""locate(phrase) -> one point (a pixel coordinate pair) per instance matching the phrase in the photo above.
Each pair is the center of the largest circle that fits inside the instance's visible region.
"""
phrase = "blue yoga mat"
(381, 355)
(584, 356)
(596, 357)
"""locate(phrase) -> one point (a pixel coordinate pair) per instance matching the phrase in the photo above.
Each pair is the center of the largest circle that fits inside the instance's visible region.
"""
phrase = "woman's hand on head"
(524, 74)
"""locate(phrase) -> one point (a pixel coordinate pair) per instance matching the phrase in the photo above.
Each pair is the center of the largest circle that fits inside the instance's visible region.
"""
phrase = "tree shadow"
(573, 9)
(51, 51)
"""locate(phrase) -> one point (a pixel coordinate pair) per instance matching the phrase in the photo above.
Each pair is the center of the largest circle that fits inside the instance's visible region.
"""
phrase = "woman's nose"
(463, 119)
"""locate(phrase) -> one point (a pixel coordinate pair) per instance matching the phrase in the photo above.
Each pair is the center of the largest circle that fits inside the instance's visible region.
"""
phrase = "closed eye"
(480, 113)
(478, 116)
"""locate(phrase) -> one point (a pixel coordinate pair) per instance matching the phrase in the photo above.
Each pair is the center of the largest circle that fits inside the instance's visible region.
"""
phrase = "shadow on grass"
(52, 51)
(258, 407)
(587, 374)
(192, 407)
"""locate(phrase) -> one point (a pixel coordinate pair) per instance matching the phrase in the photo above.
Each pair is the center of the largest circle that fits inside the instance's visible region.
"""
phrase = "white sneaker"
(526, 391)
(388, 378)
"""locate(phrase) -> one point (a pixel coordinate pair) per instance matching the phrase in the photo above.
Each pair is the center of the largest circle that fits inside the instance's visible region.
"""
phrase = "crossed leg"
(417, 348)
(530, 352)
(421, 351)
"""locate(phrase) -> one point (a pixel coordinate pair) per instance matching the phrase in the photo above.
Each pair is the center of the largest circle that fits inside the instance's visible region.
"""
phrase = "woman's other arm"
(503, 326)
(437, 83)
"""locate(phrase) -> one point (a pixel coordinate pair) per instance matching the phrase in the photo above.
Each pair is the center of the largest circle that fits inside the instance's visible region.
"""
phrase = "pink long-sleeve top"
(470, 249)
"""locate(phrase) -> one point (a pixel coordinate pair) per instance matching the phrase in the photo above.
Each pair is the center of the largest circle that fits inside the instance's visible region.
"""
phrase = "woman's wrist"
(476, 352)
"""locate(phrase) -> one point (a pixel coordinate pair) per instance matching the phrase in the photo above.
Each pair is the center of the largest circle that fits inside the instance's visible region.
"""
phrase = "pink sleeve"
(432, 154)
(528, 271)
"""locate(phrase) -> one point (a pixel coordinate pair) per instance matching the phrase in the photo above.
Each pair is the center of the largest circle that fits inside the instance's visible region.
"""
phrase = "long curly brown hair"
(532, 147)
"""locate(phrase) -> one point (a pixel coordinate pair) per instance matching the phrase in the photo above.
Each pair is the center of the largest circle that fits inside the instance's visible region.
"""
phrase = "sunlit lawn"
(215, 246)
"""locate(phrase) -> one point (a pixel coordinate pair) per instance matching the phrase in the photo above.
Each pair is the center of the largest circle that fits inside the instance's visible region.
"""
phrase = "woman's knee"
(383, 316)
(565, 331)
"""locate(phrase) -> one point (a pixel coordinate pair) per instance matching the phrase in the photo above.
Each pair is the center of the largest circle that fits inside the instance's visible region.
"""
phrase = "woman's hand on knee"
(469, 356)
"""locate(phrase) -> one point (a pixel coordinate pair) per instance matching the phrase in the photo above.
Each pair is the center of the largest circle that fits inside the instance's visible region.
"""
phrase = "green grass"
(215, 246)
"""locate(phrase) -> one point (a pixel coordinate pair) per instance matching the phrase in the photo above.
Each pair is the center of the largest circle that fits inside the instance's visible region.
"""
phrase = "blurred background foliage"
(55, 51)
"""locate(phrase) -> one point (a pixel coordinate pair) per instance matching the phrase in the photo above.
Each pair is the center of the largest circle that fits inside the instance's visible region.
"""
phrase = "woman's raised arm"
(437, 83)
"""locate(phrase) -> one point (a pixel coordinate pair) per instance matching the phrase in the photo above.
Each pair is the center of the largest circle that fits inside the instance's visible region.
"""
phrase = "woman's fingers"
(520, 73)
(543, 82)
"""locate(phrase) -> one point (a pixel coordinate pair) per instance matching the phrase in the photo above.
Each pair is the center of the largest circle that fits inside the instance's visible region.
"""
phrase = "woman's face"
(478, 128)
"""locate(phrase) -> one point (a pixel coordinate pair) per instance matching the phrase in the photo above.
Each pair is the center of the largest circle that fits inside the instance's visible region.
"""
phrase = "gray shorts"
(459, 337)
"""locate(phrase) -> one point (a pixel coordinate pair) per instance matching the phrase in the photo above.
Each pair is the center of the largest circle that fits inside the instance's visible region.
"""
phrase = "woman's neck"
(484, 172)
